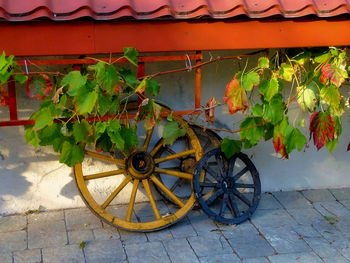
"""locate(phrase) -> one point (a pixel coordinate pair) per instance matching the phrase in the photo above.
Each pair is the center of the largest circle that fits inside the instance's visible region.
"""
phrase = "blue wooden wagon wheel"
(234, 185)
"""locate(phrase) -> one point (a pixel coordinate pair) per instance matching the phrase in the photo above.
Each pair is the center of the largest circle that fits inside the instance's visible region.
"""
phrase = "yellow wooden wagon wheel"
(131, 178)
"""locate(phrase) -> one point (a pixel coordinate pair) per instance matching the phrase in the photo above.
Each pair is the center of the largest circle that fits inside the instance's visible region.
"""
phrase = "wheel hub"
(228, 184)
(140, 165)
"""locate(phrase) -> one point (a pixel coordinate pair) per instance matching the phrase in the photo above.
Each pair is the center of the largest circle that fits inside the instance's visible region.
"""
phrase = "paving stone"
(225, 258)
(255, 248)
(306, 216)
(149, 252)
(42, 217)
(51, 233)
(106, 233)
(182, 229)
(27, 256)
(12, 241)
(179, 250)
(144, 209)
(318, 195)
(292, 199)
(345, 252)
(322, 247)
(343, 224)
(331, 208)
(161, 235)
(65, 254)
(76, 236)
(306, 231)
(341, 194)
(202, 223)
(132, 237)
(272, 218)
(268, 201)
(295, 257)
(332, 234)
(104, 251)
(81, 219)
(255, 260)
(13, 223)
(245, 231)
(5, 257)
(205, 246)
(284, 240)
(345, 203)
(335, 259)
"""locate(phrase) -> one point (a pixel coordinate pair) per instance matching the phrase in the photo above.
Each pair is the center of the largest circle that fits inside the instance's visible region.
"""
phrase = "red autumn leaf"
(322, 128)
(4, 99)
(150, 112)
(333, 73)
(235, 97)
(279, 146)
(38, 87)
(210, 110)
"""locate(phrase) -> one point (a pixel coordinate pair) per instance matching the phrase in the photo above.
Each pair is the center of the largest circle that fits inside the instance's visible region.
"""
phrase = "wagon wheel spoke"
(215, 196)
(231, 166)
(132, 200)
(148, 139)
(241, 197)
(157, 147)
(120, 162)
(116, 191)
(242, 172)
(167, 191)
(187, 176)
(211, 172)
(174, 156)
(151, 198)
(223, 204)
(220, 163)
(206, 184)
(233, 206)
(104, 174)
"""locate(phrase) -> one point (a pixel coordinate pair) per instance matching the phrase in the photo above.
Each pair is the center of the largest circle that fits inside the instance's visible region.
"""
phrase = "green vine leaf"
(131, 54)
(250, 80)
(21, 78)
(113, 130)
(252, 129)
(6, 67)
(52, 136)
(286, 72)
(322, 58)
(257, 110)
(74, 80)
(152, 87)
(263, 62)
(142, 86)
(330, 94)
(302, 57)
(71, 154)
(274, 110)
(130, 138)
(172, 131)
(100, 128)
(269, 88)
(294, 139)
(230, 147)
(104, 103)
(104, 142)
(86, 100)
(42, 118)
(307, 96)
(81, 131)
(331, 145)
(31, 136)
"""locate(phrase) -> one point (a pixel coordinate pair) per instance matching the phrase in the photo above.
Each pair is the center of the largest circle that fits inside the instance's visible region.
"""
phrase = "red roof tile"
(20, 10)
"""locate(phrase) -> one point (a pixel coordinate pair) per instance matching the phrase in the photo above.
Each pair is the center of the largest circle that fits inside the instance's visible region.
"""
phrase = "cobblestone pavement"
(307, 226)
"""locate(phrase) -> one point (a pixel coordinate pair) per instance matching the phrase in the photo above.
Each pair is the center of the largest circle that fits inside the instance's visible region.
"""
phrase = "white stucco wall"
(32, 178)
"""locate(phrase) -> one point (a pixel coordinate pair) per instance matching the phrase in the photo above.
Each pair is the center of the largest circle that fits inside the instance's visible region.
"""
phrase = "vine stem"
(39, 73)
(201, 64)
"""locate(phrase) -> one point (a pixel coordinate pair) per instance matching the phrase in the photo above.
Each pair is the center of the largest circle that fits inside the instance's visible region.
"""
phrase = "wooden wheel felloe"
(233, 184)
(183, 188)
(104, 187)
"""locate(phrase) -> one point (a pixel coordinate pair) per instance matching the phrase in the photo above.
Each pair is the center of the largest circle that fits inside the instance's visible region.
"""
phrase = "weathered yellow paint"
(187, 176)
(116, 191)
(104, 174)
(147, 140)
(167, 191)
(174, 156)
(157, 147)
(151, 198)
(120, 162)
